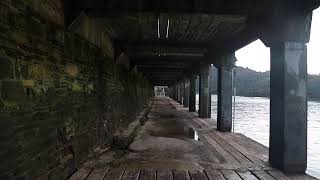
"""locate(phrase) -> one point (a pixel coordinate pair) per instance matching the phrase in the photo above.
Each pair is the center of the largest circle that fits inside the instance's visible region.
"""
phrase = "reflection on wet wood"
(247, 175)
(114, 174)
(80, 174)
(131, 175)
(181, 175)
(263, 175)
(147, 175)
(214, 175)
(170, 152)
(98, 174)
(229, 174)
(197, 175)
(164, 175)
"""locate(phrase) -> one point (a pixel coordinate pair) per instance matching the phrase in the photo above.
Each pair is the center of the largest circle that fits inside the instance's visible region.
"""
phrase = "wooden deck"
(161, 152)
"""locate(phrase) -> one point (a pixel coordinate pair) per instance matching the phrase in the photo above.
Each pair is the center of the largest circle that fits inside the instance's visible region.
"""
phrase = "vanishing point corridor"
(175, 144)
(78, 79)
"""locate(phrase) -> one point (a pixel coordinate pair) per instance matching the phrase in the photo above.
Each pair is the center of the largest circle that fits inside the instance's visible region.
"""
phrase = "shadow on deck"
(176, 144)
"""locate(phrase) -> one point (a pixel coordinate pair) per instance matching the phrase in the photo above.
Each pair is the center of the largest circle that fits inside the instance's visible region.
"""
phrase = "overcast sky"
(257, 57)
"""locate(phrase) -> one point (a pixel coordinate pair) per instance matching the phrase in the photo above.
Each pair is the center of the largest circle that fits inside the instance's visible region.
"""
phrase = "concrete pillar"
(287, 40)
(173, 92)
(179, 93)
(192, 93)
(288, 106)
(176, 93)
(186, 94)
(204, 92)
(224, 120)
(210, 91)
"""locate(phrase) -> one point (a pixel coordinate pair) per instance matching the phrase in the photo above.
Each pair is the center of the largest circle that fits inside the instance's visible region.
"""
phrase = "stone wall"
(60, 96)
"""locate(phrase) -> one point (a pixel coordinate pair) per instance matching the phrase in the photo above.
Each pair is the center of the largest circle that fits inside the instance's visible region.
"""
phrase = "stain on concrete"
(166, 141)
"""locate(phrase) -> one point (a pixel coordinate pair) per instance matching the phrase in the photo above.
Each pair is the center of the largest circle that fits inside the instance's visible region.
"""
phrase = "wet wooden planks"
(164, 175)
(151, 174)
(233, 147)
(240, 158)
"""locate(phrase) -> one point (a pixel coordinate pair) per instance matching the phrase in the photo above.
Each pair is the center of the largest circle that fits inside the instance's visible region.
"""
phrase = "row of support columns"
(288, 103)
(287, 40)
(184, 92)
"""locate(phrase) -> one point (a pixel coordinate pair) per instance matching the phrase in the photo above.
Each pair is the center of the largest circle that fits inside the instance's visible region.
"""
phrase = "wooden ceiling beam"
(171, 73)
(162, 68)
(165, 43)
(164, 61)
(100, 8)
(169, 55)
(233, 43)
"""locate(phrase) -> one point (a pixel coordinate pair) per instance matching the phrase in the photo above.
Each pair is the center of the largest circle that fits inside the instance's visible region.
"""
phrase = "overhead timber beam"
(164, 55)
(149, 74)
(251, 33)
(166, 43)
(104, 7)
(257, 26)
(161, 64)
(164, 60)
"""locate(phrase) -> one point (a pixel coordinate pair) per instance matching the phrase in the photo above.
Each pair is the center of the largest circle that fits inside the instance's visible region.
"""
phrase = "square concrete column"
(179, 93)
(174, 92)
(204, 92)
(210, 91)
(186, 94)
(224, 120)
(192, 93)
(182, 92)
(288, 106)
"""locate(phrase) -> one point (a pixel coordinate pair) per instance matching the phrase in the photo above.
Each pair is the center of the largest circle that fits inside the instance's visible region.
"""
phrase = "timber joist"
(190, 32)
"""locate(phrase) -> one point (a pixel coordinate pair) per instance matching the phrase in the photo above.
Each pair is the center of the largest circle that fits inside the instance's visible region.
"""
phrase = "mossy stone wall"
(61, 97)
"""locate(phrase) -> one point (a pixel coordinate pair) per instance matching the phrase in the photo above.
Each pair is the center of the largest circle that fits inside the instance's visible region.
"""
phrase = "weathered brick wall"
(59, 97)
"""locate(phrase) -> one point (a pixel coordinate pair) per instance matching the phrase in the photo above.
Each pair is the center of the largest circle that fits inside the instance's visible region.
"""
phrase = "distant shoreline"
(250, 83)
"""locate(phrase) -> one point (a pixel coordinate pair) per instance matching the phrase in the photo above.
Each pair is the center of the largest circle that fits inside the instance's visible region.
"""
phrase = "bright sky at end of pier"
(257, 57)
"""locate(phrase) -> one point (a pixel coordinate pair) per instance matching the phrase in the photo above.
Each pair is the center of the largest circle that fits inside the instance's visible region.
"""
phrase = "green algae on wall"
(59, 99)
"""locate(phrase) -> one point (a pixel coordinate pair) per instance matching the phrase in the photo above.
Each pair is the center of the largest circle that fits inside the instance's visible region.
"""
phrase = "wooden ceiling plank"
(213, 26)
(185, 28)
(205, 28)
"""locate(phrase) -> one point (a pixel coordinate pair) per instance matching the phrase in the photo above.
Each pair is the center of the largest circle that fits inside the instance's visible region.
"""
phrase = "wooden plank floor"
(160, 152)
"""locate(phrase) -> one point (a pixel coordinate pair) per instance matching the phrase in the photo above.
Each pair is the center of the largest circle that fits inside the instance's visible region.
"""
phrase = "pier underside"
(176, 144)
(76, 74)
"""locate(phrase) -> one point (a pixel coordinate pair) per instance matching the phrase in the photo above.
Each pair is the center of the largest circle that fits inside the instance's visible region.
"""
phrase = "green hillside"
(257, 84)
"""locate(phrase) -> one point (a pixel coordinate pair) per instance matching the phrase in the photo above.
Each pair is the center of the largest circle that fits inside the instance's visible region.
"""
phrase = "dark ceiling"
(167, 39)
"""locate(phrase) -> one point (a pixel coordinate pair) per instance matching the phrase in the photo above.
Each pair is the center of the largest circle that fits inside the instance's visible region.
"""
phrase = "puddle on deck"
(179, 133)
(191, 133)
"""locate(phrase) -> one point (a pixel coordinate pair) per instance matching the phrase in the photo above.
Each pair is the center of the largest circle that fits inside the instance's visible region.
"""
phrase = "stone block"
(6, 66)
(12, 91)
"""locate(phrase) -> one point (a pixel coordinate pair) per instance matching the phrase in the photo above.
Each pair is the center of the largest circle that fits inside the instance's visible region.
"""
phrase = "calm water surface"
(252, 120)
